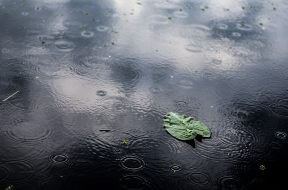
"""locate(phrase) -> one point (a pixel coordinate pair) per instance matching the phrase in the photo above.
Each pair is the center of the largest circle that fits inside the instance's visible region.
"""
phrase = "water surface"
(84, 86)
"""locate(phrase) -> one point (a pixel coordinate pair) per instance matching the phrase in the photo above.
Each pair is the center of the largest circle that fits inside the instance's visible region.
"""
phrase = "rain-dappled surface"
(84, 86)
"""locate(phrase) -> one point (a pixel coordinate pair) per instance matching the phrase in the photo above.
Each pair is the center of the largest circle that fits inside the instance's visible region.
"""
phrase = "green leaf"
(262, 167)
(126, 141)
(82, 26)
(9, 187)
(183, 127)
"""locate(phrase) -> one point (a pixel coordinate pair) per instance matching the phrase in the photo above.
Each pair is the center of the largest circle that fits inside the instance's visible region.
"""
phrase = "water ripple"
(244, 27)
(132, 163)
(29, 132)
(166, 5)
(60, 158)
(102, 28)
(19, 171)
(280, 135)
(159, 20)
(134, 182)
(180, 14)
(232, 145)
(199, 178)
(87, 34)
(229, 182)
(3, 172)
(64, 46)
(280, 108)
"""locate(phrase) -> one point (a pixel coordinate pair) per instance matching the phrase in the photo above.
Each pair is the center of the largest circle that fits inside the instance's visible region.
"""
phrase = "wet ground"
(84, 86)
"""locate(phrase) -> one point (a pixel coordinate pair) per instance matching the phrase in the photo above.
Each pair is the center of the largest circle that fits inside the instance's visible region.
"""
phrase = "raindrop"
(64, 46)
(132, 163)
(87, 34)
(280, 135)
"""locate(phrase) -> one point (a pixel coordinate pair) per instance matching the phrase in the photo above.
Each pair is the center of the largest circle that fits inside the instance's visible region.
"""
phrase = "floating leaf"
(82, 26)
(262, 167)
(9, 187)
(126, 141)
(183, 127)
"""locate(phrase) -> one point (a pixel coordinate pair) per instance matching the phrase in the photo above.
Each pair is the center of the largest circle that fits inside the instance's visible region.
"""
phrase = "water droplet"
(64, 46)
(132, 163)
(87, 34)
(280, 135)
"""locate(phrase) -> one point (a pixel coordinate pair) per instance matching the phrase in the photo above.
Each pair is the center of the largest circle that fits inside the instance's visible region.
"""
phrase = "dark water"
(84, 85)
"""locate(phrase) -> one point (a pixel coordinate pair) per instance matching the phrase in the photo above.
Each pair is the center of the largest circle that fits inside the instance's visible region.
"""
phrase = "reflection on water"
(84, 86)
